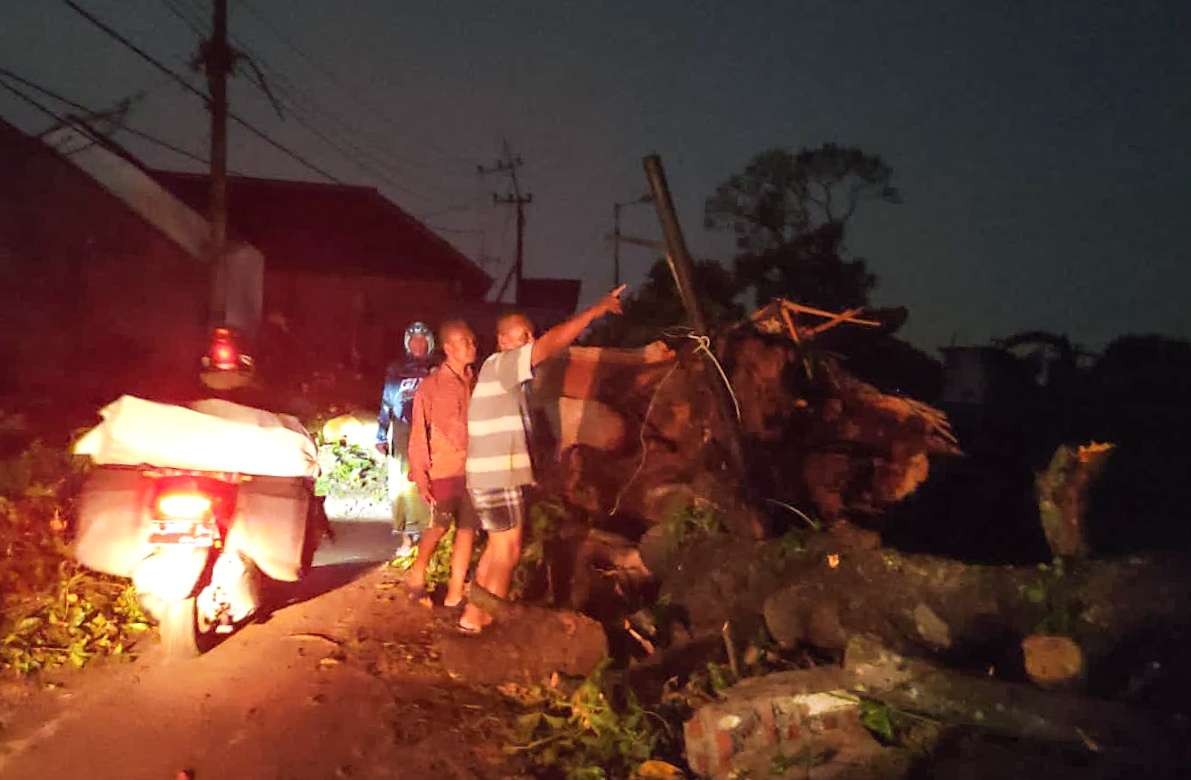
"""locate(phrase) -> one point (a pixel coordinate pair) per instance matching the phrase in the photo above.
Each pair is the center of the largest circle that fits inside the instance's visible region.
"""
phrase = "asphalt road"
(357, 541)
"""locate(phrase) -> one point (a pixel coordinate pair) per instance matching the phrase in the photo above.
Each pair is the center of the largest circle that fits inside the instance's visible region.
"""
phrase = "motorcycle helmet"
(419, 329)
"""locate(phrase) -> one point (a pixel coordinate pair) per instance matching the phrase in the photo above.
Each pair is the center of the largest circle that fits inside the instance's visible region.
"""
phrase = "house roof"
(329, 228)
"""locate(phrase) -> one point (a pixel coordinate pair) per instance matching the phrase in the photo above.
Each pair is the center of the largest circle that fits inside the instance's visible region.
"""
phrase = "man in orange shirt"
(438, 459)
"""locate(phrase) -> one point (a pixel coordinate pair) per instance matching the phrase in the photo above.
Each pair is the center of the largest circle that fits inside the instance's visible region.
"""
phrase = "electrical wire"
(301, 98)
(305, 110)
(64, 120)
(203, 96)
(177, 12)
(335, 78)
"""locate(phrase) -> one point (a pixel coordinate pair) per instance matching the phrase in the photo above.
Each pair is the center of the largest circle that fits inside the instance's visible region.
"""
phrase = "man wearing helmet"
(410, 512)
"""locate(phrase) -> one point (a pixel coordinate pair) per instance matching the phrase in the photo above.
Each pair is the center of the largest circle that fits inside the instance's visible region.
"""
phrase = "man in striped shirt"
(498, 461)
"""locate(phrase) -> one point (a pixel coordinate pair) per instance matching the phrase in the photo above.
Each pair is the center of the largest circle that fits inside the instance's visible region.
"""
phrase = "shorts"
(455, 508)
(499, 509)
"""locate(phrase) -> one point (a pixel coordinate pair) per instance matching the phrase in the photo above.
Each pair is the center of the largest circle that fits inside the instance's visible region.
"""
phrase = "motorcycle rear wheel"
(179, 631)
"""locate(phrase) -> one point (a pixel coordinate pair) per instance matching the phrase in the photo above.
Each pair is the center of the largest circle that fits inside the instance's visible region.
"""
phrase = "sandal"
(467, 630)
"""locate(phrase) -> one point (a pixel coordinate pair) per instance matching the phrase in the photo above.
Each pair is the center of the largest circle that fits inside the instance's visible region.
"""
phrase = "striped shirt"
(497, 451)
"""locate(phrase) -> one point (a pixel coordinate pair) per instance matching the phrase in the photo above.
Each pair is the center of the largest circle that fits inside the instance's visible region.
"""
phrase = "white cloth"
(215, 435)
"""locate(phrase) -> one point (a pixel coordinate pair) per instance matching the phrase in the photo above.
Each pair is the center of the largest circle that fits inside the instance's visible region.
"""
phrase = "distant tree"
(655, 305)
(810, 270)
(781, 195)
(1149, 370)
(790, 212)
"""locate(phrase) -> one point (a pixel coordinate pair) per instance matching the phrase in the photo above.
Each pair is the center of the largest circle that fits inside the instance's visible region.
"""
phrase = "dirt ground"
(349, 683)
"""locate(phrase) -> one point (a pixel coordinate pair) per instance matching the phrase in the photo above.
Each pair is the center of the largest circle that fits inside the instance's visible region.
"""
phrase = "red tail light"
(182, 505)
(224, 355)
(192, 498)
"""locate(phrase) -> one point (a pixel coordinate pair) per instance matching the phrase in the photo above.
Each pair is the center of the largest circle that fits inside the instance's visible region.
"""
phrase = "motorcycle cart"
(196, 505)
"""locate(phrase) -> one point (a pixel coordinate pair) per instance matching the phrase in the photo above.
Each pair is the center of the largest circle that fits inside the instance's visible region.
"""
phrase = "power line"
(203, 96)
(332, 76)
(298, 95)
(186, 20)
(49, 93)
(358, 155)
(452, 209)
(354, 152)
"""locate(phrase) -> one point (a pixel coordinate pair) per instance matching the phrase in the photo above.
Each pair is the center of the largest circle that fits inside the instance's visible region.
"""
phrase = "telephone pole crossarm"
(508, 165)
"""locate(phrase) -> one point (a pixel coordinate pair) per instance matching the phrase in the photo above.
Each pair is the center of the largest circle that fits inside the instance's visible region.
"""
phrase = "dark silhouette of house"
(346, 269)
(97, 281)
(104, 269)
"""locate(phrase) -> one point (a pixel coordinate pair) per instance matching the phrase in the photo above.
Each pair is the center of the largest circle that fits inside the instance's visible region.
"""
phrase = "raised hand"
(611, 303)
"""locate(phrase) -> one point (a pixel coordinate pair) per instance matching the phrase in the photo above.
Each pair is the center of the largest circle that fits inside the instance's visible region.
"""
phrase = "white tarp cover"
(214, 435)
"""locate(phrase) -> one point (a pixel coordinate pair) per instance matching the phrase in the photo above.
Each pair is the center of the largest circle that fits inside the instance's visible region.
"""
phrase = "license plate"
(182, 532)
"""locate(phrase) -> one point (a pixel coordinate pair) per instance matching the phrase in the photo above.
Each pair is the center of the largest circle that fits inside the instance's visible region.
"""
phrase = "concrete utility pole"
(509, 164)
(679, 257)
(683, 269)
(616, 234)
(217, 60)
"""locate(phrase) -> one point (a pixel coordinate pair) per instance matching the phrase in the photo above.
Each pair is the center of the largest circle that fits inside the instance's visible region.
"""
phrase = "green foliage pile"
(53, 611)
(438, 571)
(582, 735)
(545, 517)
(354, 471)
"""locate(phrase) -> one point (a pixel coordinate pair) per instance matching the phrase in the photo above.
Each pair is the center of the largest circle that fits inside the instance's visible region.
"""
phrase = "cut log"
(1053, 661)
(924, 605)
(1003, 708)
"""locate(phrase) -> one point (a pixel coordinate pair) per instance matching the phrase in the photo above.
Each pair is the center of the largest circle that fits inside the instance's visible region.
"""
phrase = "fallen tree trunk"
(819, 592)
(999, 707)
(920, 604)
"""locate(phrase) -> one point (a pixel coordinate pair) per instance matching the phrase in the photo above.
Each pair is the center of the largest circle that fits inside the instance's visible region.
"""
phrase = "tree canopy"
(782, 195)
(790, 212)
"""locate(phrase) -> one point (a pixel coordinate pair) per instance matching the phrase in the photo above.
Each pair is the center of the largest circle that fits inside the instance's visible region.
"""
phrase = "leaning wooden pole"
(683, 269)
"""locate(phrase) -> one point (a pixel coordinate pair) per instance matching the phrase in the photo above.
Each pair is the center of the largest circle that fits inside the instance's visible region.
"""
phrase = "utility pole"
(683, 269)
(509, 164)
(217, 60)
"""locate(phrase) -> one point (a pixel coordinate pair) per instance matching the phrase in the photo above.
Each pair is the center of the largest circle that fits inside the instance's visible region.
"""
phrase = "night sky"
(1041, 147)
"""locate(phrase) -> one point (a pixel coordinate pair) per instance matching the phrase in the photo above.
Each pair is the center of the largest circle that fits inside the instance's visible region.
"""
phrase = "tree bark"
(1003, 708)
(923, 605)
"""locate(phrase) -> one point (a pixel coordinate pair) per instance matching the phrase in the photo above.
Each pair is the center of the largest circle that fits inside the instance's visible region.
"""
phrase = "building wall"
(342, 319)
(87, 288)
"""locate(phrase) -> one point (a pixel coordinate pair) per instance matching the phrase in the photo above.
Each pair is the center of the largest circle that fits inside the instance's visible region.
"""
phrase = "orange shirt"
(438, 430)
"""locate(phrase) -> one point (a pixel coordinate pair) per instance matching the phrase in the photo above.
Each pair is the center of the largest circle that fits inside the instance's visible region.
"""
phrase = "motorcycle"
(226, 366)
(198, 543)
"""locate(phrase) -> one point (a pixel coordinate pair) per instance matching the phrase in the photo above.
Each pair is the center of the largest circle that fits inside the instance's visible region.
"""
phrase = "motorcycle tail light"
(183, 505)
(223, 354)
